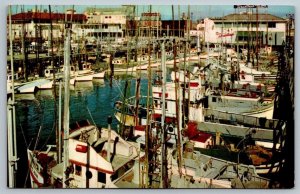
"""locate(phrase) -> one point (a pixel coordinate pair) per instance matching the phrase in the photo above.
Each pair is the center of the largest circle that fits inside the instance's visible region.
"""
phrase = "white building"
(245, 28)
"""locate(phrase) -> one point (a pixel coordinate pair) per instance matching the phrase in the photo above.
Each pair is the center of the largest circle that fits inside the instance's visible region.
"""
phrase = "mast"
(11, 120)
(256, 53)
(184, 81)
(248, 40)
(179, 21)
(177, 112)
(164, 170)
(59, 124)
(198, 47)
(54, 86)
(24, 49)
(66, 103)
(189, 51)
(173, 22)
(148, 129)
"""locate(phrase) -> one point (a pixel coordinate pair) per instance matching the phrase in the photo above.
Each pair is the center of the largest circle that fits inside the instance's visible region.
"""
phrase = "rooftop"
(249, 17)
(45, 16)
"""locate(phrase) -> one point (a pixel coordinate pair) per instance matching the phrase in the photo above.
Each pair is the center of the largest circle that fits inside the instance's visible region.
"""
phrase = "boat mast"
(54, 87)
(173, 22)
(164, 170)
(188, 63)
(138, 79)
(148, 128)
(256, 53)
(66, 102)
(11, 120)
(24, 48)
(177, 111)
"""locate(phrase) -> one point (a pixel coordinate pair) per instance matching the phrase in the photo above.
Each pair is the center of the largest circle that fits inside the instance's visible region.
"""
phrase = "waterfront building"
(150, 24)
(36, 24)
(105, 23)
(244, 28)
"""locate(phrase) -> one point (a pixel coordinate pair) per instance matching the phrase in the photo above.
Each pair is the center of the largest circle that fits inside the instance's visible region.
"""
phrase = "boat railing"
(235, 118)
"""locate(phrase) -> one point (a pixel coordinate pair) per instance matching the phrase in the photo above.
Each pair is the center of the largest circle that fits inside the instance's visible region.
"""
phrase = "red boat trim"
(33, 176)
(90, 166)
(160, 94)
(194, 84)
(140, 127)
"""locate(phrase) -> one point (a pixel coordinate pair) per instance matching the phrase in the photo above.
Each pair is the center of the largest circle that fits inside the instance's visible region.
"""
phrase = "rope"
(91, 115)
(28, 168)
(50, 134)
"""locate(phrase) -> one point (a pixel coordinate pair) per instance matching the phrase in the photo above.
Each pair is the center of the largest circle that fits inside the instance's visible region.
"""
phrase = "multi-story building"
(36, 24)
(105, 23)
(245, 28)
(150, 24)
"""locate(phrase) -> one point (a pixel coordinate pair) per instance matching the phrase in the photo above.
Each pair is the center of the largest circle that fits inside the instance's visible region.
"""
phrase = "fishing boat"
(101, 152)
(197, 171)
(99, 75)
(33, 86)
(242, 102)
(9, 86)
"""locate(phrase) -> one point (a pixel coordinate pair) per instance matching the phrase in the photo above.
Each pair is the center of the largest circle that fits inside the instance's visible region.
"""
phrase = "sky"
(197, 11)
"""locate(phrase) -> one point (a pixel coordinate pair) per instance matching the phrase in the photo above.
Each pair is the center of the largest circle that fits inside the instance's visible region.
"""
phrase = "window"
(78, 170)
(271, 25)
(101, 177)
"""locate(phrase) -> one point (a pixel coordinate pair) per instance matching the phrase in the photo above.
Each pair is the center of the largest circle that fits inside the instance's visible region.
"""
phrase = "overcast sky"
(197, 11)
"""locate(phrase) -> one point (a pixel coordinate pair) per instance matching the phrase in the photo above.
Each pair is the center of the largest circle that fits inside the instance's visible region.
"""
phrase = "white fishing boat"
(49, 72)
(100, 152)
(99, 75)
(82, 78)
(33, 86)
(242, 102)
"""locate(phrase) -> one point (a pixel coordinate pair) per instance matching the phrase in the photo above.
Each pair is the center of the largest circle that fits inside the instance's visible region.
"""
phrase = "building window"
(271, 25)
(78, 170)
(101, 177)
